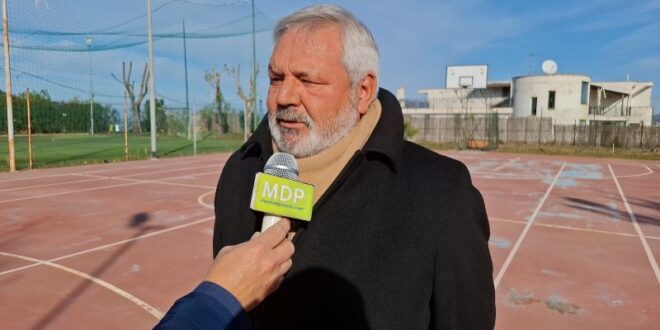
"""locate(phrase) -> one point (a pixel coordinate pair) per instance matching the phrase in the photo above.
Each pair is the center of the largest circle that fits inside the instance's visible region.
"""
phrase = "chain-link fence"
(85, 66)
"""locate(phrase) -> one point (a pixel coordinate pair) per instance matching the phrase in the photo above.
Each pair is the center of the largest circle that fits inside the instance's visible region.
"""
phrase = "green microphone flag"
(283, 197)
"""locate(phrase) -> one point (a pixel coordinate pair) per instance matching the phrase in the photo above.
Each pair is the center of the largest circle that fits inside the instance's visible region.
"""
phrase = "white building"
(566, 98)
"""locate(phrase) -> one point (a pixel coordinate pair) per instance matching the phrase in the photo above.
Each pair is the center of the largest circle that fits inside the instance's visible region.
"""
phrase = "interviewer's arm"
(239, 279)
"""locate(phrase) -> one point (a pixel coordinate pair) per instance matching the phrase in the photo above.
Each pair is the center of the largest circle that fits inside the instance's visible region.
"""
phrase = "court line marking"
(164, 182)
(150, 309)
(520, 222)
(529, 224)
(498, 176)
(133, 182)
(648, 171)
(128, 166)
(200, 200)
(633, 218)
(68, 192)
(508, 175)
(168, 171)
(137, 238)
(511, 161)
(54, 184)
(39, 177)
(155, 312)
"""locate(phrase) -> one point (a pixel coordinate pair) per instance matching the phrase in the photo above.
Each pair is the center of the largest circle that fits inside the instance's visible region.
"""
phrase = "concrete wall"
(430, 111)
(462, 100)
(568, 107)
(641, 115)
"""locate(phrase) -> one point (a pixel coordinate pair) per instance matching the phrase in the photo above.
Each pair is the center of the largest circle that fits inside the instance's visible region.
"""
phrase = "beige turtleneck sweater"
(321, 169)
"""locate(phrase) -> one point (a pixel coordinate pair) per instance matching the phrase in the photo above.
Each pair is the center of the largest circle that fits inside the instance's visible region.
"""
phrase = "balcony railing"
(613, 110)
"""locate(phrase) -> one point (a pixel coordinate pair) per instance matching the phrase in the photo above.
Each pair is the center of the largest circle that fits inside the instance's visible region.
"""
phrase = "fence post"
(125, 125)
(425, 132)
(574, 131)
(641, 134)
(29, 127)
(554, 132)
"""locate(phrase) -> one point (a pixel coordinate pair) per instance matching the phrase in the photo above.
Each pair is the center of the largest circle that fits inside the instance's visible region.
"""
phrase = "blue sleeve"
(209, 306)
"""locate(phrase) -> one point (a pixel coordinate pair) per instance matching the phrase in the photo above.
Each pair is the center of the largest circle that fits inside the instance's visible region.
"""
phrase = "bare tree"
(135, 99)
(213, 78)
(470, 123)
(248, 100)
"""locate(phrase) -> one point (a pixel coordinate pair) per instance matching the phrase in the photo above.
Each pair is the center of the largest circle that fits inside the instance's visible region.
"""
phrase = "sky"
(605, 39)
(608, 40)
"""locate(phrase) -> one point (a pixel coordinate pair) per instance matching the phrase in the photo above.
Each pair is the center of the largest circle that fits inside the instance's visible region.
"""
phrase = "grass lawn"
(75, 149)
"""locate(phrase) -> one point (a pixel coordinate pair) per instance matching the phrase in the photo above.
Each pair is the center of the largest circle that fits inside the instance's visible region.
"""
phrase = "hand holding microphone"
(253, 269)
(242, 274)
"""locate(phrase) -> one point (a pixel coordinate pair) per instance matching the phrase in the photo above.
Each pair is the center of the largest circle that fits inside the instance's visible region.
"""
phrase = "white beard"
(318, 138)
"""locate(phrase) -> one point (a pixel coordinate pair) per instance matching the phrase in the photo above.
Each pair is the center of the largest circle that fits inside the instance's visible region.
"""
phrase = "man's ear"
(367, 92)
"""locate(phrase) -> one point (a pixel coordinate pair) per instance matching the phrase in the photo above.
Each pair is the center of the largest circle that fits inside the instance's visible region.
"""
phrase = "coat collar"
(385, 143)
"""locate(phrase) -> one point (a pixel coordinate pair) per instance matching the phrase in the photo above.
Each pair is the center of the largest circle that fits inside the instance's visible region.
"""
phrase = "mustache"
(291, 114)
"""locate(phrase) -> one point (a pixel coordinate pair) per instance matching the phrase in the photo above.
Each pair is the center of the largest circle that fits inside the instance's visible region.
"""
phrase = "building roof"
(623, 87)
(499, 83)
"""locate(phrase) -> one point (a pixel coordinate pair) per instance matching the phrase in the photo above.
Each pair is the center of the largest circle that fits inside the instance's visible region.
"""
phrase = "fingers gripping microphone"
(282, 165)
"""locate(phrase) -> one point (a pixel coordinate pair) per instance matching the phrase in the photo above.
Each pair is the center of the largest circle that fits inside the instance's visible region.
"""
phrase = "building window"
(585, 92)
(506, 91)
(534, 101)
(551, 99)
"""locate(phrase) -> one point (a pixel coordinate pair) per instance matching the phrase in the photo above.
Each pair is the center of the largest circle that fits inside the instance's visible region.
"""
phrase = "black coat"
(398, 241)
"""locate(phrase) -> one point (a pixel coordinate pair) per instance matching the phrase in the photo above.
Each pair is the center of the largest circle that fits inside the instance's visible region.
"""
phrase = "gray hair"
(359, 53)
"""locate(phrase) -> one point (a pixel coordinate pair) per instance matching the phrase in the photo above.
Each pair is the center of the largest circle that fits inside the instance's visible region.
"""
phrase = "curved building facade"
(563, 97)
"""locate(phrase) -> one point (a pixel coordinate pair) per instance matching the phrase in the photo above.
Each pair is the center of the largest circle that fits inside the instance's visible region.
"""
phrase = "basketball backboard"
(466, 76)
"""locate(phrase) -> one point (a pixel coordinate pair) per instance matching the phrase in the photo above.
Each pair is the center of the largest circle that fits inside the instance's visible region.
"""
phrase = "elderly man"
(398, 238)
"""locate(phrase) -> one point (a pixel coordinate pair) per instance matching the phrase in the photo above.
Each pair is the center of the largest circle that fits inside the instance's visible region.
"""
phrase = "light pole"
(254, 73)
(152, 79)
(10, 107)
(88, 42)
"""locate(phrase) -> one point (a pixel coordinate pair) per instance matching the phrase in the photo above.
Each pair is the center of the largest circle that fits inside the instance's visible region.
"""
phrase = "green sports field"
(75, 149)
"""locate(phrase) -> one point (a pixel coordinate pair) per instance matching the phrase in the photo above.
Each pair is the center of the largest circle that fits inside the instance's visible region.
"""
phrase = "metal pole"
(29, 122)
(125, 125)
(10, 108)
(152, 84)
(88, 41)
(185, 66)
(261, 107)
(540, 124)
(194, 129)
(254, 72)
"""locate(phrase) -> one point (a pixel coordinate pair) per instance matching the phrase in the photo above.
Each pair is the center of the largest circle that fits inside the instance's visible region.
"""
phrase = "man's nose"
(288, 93)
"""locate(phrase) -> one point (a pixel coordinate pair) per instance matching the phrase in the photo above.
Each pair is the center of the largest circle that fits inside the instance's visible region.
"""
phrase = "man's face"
(310, 103)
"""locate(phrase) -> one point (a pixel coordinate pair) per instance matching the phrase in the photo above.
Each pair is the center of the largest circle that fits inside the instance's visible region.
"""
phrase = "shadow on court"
(608, 211)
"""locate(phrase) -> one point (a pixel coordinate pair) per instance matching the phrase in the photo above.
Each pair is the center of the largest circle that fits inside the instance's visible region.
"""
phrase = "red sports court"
(575, 241)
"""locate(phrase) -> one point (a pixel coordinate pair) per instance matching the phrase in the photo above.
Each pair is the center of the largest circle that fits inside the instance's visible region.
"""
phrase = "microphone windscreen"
(282, 165)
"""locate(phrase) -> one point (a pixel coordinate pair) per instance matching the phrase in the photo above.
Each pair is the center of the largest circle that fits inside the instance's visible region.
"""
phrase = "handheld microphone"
(282, 165)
